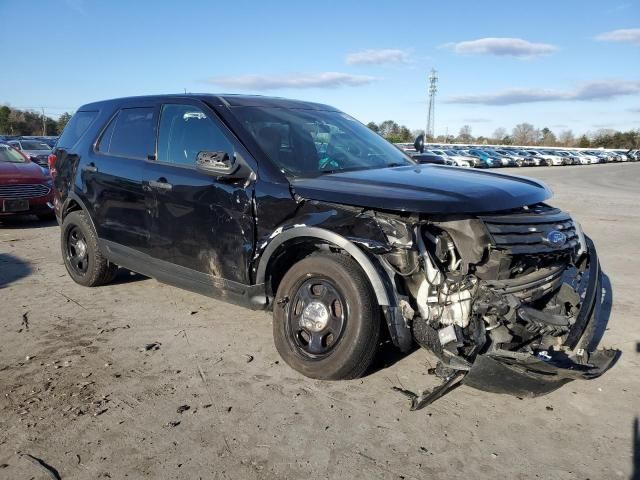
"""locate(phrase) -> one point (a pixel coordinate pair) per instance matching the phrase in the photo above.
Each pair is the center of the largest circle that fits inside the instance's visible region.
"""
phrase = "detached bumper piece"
(527, 375)
(524, 375)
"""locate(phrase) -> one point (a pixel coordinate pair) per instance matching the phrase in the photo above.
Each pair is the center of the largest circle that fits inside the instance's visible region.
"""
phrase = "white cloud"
(595, 90)
(377, 57)
(630, 35)
(294, 80)
(504, 47)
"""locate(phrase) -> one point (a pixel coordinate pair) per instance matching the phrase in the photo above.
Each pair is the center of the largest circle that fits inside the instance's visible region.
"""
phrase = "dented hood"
(424, 189)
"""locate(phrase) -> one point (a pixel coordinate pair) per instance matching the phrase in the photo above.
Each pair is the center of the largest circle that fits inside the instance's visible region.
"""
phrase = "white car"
(553, 157)
(457, 160)
(590, 158)
(543, 159)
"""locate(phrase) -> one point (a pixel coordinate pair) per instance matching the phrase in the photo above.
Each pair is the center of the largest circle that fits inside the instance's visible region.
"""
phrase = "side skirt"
(249, 296)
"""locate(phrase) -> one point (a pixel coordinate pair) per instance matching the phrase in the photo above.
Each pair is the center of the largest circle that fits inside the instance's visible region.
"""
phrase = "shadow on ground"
(125, 276)
(12, 268)
(25, 222)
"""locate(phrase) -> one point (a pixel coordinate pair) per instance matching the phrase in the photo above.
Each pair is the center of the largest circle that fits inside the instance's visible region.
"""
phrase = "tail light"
(52, 160)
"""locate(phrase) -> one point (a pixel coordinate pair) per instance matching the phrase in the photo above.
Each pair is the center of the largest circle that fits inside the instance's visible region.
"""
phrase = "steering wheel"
(333, 161)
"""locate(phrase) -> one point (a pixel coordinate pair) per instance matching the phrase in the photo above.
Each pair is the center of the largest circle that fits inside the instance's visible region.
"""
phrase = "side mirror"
(419, 143)
(218, 164)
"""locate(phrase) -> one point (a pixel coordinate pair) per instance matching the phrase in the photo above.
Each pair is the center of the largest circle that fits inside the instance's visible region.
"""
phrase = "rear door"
(113, 177)
(200, 223)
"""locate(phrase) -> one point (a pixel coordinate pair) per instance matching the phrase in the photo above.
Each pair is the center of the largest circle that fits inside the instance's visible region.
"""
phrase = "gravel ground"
(141, 380)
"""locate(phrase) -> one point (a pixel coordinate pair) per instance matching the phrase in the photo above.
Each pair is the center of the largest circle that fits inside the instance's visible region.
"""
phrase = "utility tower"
(433, 88)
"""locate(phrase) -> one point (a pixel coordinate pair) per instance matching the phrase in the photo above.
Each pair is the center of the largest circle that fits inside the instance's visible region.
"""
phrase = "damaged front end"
(509, 302)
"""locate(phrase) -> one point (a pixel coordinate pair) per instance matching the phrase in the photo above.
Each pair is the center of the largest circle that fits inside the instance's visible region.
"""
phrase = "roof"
(229, 100)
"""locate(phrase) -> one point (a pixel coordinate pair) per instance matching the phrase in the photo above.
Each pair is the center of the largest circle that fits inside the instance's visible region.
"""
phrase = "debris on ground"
(427, 398)
(152, 346)
(52, 472)
(25, 322)
(183, 408)
(248, 357)
(113, 329)
(173, 424)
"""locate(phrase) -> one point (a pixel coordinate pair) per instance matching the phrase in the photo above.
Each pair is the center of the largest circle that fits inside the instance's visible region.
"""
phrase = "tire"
(83, 259)
(337, 282)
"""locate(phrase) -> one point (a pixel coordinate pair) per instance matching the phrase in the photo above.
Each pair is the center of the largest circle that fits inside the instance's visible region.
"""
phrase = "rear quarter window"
(76, 127)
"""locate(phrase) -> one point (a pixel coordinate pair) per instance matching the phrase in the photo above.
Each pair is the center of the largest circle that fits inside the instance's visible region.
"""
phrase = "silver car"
(36, 150)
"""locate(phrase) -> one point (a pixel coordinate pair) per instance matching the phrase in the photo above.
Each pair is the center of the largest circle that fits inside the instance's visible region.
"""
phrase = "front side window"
(131, 134)
(303, 142)
(185, 131)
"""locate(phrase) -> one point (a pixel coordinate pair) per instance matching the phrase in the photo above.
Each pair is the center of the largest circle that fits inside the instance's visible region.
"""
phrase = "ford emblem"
(555, 239)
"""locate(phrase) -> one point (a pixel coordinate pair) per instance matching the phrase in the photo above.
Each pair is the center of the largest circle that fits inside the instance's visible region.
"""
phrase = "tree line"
(521, 134)
(14, 121)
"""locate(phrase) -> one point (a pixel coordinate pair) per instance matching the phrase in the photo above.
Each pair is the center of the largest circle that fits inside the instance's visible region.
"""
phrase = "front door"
(202, 226)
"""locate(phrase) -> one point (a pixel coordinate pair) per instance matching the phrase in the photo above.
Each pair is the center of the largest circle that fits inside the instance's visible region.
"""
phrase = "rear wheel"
(326, 320)
(83, 259)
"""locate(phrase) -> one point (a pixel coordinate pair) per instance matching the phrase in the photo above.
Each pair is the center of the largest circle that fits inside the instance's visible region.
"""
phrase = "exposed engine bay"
(502, 298)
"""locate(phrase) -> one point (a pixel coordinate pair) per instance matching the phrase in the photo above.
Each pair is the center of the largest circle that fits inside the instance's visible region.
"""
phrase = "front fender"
(375, 278)
(382, 285)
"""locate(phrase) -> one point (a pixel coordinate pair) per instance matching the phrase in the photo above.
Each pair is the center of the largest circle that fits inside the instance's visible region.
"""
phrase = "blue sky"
(561, 64)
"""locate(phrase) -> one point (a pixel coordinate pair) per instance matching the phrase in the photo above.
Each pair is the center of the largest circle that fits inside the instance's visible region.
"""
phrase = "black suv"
(298, 208)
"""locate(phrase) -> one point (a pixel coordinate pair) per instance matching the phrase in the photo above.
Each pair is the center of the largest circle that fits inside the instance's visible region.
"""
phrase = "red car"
(25, 189)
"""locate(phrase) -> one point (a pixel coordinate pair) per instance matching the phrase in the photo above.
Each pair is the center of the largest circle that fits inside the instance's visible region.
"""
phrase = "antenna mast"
(433, 88)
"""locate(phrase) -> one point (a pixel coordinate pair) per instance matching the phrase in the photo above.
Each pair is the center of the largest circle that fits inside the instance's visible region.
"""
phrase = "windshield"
(312, 142)
(8, 154)
(33, 145)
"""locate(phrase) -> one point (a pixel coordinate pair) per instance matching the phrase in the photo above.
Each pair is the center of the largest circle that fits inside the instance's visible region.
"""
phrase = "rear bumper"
(523, 374)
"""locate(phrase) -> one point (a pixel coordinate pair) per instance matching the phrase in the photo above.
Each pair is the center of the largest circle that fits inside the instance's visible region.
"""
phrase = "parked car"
(484, 159)
(515, 159)
(428, 157)
(587, 158)
(459, 155)
(24, 188)
(505, 160)
(36, 150)
(298, 208)
(454, 159)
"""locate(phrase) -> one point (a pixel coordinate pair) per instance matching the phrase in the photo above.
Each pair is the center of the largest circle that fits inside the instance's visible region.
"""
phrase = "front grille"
(24, 191)
(532, 286)
(525, 232)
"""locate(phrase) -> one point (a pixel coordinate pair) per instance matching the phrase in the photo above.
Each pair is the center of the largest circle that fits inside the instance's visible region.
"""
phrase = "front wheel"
(326, 320)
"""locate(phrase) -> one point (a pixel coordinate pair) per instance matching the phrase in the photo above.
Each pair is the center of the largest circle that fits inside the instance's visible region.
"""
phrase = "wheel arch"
(312, 237)
(74, 203)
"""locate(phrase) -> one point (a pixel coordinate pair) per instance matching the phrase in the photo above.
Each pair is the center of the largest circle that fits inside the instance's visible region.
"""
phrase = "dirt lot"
(79, 390)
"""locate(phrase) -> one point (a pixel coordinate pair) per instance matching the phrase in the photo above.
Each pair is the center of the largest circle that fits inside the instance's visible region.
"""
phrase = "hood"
(424, 188)
(27, 172)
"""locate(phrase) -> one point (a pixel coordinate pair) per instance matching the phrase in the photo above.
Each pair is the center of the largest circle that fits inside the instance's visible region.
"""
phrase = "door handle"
(91, 168)
(160, 185)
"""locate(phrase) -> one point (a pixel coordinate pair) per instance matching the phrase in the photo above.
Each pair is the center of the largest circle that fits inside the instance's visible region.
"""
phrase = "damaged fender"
(385, 294)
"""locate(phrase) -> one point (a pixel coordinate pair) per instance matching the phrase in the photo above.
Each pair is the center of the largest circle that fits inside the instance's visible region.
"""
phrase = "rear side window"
(131, 134)
(76, 127)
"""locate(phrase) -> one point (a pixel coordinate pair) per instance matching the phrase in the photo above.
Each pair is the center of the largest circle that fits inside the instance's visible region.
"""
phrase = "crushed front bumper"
(523, 374)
